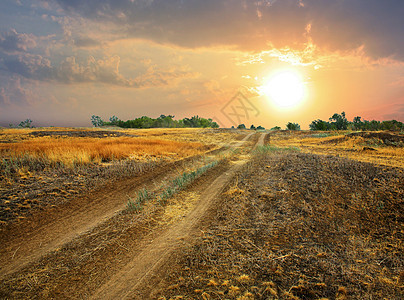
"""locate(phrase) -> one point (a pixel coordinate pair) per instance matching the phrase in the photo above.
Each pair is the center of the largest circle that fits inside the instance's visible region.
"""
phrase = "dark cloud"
(13, 41)
(344, 25)
(255, 25)
(28, 66)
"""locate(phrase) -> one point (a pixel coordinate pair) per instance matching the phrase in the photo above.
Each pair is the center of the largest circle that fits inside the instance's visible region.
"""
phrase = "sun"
(286, 89)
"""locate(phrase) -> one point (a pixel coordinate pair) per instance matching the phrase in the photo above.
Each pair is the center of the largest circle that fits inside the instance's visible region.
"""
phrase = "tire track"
(72, 220)
(124, 284)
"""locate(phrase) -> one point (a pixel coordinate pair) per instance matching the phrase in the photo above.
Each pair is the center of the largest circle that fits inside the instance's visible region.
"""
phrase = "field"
(45, 167)
(201, 214)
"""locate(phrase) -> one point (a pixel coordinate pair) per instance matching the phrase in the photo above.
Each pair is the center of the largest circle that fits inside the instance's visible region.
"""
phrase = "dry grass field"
(296, 215)
(295, 226)
(71, 151)
(384, 148)
(42, 167)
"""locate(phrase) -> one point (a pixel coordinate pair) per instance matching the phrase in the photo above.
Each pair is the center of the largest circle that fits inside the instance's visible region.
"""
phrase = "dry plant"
(71, 151)
(375, 147)
(305, 227)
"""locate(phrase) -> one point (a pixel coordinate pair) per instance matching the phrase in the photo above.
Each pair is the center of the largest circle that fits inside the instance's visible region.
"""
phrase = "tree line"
(340, 122)
(161, 122)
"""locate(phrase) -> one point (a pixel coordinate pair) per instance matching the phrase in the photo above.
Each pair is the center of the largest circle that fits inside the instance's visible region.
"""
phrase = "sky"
(62, 61)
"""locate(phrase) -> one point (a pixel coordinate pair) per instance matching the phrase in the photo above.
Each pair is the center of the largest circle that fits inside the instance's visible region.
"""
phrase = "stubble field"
(223, 214)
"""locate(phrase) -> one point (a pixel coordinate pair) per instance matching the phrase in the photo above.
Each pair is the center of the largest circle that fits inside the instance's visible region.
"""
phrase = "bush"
(292, 126)
(25, 124)
(320, 125)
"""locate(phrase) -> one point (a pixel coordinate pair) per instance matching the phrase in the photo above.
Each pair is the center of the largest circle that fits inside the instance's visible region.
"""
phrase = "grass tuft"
(265, 149)
(182, 181)
(168, 190)
(142, 197)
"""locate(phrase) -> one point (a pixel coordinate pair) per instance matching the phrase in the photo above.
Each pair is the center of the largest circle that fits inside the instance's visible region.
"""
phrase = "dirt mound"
(81, 133)
(388, 139)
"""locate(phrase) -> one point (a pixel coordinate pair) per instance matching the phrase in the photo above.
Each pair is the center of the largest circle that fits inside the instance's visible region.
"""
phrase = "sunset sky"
(62, 61)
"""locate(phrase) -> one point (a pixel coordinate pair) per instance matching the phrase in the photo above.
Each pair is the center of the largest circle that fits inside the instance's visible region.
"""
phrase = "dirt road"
(26, 248)
(125, 283)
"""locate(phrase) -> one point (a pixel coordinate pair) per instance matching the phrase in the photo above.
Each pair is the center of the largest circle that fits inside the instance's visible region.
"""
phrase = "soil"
(22, 196)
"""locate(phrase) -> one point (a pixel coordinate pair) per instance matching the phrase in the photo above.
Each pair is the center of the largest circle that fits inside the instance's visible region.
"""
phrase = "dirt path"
(125, 284)
(51, 229)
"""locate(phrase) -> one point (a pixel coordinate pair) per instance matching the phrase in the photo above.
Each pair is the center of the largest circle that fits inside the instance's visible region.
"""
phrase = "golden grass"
(206, 136)
(203, 135)
(86, 150)
(29, 130)
(16, 131)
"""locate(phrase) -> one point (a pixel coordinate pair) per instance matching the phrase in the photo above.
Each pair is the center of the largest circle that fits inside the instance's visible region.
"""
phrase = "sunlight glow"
(285, 89)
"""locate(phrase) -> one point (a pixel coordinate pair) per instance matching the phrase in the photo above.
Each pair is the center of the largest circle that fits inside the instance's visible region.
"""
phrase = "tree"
(252, 127)
(214, 124)
(192, 122)
(114, 120)
(374, 125)
(241, 126)
(25, 124)
(260, 128)
(276, 128)
(319, 125)
(339, 121)
(96, 121)
(357, 123)
(167, 122)
(392, 125)
(292, 126)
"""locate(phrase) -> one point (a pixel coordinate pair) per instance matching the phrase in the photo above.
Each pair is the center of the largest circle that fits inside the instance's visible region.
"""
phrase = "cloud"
(395, 112)
(14, 92)
(28, 66)
(92, 70)
(102, 70)
(399, 82)
(4, 99)
(86, 42)
(159, 77)
(12, 41)
(254, 25)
